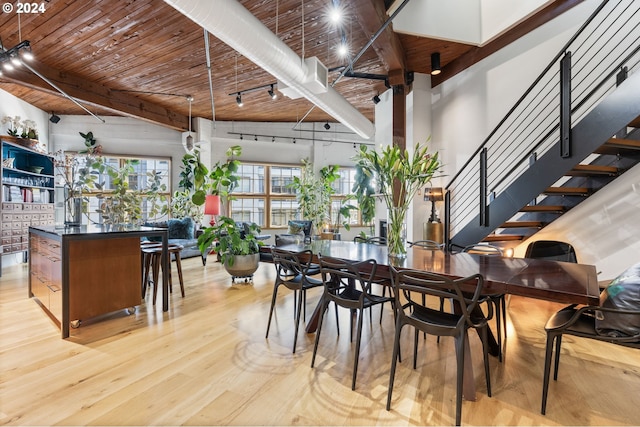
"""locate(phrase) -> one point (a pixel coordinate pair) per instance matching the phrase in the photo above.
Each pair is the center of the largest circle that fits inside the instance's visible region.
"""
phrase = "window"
(138, 179)
(343, 188)
(263, 195)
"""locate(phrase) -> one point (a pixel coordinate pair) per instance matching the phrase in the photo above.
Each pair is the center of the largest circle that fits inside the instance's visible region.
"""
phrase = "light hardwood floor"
(207, 362)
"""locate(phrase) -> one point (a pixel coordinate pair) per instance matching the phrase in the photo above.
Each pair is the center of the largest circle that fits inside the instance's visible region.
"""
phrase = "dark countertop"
(86, 230)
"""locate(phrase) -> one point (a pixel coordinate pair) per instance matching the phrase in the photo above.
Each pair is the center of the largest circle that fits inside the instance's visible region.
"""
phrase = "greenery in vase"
(399, 176)
(121, 204)
(231, 240)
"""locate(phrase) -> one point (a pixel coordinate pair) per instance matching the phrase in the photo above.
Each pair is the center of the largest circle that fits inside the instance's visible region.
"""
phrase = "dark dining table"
(533, 278)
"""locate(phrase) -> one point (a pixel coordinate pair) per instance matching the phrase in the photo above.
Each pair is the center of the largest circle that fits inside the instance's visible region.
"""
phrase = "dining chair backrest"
(427, 244)
(373, 240)
(290, 263)
(339, 274)
(412, 284)
(483, 249)
(551, 250)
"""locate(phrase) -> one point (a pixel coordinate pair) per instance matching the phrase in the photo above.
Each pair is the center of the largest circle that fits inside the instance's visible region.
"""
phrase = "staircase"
(555, 160)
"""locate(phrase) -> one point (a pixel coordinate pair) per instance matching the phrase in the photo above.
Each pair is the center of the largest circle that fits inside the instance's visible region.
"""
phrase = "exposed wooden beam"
(97, 96)
(371, 15)
(477, 54)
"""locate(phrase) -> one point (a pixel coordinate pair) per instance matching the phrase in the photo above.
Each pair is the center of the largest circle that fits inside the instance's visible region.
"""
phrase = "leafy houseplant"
(399, 176)
(313, 194)
(364, 194)
(238, 248)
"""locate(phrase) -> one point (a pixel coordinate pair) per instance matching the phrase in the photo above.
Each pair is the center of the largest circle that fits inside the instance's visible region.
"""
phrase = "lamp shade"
(212, 205)
(433, 194)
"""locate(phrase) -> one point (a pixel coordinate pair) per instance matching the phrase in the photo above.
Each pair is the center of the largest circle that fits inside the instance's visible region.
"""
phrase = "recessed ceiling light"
(335, 16)
(343, 49)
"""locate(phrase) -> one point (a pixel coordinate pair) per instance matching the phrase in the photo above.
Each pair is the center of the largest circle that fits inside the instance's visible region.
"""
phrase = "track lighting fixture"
(435, 64)
(12, 57)
(255, 137)
(272, 94)
(294, 140)
(327, 126)
(271, 90)
(375, 99)
(54, 118)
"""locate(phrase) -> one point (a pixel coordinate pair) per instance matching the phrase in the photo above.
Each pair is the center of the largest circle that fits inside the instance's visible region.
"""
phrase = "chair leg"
(459, 374)
(298, 313)
(315, 345)
(415, 348)
(356, 356)
(179, 268)
(273, 304)
(394, 360)
(547, 366)
(556, 364)
(485, 355)
(497, 304)
(156, 261)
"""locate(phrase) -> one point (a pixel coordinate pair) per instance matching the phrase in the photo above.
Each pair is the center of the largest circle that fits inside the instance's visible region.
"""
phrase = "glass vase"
(72, 209)
(397, 232)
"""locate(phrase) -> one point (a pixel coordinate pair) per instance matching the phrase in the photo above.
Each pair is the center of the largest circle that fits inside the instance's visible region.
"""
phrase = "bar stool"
(152, 257)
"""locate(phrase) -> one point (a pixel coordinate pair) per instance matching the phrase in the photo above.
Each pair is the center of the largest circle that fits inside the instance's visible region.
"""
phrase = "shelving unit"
(27, 195)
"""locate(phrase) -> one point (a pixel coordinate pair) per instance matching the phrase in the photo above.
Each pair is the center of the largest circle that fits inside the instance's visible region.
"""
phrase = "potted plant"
(313, 194)
(364, 194)
(238, 248)
(399, 176)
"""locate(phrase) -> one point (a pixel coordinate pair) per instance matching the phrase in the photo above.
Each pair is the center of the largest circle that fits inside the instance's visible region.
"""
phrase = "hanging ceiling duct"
(230, 22)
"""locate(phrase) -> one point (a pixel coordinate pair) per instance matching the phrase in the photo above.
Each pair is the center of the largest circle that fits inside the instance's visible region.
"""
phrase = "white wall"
(12, 106)
(468, 106)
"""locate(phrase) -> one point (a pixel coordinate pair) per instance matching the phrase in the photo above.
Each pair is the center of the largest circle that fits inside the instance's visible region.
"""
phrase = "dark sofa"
(182, 232)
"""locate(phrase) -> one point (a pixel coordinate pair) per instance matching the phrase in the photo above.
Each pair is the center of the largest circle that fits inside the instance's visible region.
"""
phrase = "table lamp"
(212, 207)
(433, 195)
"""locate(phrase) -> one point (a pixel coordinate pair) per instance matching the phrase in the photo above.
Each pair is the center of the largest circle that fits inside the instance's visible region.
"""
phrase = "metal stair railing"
(608, 41)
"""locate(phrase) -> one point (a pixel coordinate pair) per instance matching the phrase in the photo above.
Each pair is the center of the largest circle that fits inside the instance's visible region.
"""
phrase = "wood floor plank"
(207, 362)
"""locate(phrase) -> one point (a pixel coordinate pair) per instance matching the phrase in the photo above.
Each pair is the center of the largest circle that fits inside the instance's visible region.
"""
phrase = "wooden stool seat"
(152, 261)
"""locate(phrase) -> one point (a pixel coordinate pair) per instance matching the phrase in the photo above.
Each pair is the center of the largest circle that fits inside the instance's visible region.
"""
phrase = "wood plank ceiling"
(132, 57)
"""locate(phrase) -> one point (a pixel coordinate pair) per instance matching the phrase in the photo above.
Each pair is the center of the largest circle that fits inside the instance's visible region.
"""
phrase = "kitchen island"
(77, 273)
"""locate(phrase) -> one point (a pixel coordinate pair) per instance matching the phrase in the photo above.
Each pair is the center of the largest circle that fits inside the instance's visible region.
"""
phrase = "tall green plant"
(364, 194)
(399, 175)
(314, 195)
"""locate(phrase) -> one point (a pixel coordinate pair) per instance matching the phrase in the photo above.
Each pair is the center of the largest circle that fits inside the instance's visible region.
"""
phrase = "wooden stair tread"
(543, 208)
(616, 145)
(502, 237)
(588, 170)
(522, 224)
(635, 122)
(567, 190)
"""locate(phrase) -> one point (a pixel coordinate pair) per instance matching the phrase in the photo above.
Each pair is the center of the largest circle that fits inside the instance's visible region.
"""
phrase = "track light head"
(375, 99)
(239, 100)
(272, 93)
(327, 126)
(435, 64)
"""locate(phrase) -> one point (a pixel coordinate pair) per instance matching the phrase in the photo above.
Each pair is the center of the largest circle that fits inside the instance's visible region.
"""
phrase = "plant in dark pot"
(235, 243)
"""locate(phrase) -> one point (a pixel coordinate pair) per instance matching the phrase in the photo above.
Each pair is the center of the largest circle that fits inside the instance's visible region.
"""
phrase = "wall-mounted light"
(54, 118)
(433, 195)
(375, 99)
(327, 126)
(435, 64)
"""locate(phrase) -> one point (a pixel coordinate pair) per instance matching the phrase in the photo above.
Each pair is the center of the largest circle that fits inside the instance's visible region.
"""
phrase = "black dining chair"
(347, 284)
(499, 301)
(292, 271)
(581, 322)
(426, 244)
(384, 282)
(552, 250)
(407, 286)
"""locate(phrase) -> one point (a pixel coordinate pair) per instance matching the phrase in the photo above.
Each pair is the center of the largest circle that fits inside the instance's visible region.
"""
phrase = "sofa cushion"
(300, 226)
(181, 228)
